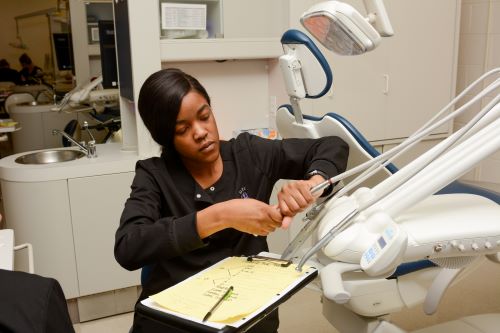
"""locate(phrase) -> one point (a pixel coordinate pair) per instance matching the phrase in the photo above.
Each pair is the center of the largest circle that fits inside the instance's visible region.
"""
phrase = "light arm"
(83, 94)
(378, 17)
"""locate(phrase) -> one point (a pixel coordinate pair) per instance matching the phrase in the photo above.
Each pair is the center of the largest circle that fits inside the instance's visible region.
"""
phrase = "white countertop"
(31, 107)
(110, 159)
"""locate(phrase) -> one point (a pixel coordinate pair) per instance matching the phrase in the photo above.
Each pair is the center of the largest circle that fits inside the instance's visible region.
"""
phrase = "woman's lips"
(207, 147)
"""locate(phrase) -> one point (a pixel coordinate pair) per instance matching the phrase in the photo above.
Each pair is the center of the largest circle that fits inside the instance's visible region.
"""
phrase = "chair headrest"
(316, 72)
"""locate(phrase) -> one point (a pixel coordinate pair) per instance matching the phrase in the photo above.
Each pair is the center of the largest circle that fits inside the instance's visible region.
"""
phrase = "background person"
(204, 199)
(30, 73)
(8, 74)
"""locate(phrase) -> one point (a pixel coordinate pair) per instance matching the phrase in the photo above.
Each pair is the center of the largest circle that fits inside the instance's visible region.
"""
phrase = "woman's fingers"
(287, 220)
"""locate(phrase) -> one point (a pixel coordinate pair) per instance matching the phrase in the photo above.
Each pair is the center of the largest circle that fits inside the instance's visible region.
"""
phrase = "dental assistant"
(205, 199)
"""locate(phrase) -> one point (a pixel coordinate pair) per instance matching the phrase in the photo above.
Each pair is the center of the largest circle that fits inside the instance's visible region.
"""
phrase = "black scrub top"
(158, 224)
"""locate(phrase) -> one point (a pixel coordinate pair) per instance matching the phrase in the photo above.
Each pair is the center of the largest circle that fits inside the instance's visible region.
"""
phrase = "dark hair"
(25, 59)
(160, 100)
(4, 63)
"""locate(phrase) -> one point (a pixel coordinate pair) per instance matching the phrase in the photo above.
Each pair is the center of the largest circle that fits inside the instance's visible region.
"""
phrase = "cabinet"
(402, 83)
(71, 224)
(96, 205)
(39, 213)
(249, 29)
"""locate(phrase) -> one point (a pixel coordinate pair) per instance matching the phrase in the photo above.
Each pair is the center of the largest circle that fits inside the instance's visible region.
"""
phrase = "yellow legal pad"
(255, 284)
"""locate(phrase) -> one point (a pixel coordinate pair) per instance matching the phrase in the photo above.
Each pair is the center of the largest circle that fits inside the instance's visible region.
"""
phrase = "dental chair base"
(348, 322)
(483, 323)
(464, 228)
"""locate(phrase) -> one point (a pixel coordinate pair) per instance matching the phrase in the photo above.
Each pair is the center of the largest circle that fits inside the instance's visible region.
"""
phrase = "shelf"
(219, 49)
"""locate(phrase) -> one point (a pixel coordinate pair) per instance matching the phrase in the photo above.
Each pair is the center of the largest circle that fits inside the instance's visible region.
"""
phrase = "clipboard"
(177, 322)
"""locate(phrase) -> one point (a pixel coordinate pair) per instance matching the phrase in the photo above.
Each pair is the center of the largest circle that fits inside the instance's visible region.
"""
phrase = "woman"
(30, 73)
(204, 199)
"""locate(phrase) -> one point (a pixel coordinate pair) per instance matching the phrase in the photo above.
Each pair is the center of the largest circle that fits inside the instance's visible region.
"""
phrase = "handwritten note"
(255, 284)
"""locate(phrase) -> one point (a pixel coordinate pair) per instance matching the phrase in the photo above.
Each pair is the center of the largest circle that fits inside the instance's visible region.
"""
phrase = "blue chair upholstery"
(145, 271)
(461, 187)
(454, 187)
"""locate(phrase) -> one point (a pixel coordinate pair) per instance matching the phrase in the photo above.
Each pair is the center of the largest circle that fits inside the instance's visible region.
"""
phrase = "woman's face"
(196, 136)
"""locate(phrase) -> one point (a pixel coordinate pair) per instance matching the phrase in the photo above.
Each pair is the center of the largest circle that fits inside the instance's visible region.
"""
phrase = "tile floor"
(115, 324)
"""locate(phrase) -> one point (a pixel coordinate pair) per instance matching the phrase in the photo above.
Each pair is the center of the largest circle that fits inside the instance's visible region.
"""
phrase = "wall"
(479, 52)
(34, 31)
(237, 104)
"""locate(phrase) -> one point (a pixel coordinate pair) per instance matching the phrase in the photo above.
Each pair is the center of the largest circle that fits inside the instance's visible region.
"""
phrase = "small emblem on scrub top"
(243, 193)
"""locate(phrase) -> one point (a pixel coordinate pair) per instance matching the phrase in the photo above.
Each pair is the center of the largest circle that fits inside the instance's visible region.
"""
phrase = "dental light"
(342, 29)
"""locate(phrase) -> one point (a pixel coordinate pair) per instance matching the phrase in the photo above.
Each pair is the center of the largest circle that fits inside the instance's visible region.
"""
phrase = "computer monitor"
(108, 54)
(64, 51)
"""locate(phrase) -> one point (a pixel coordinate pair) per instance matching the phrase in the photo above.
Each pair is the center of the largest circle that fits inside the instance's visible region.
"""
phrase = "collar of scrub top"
(186, 184)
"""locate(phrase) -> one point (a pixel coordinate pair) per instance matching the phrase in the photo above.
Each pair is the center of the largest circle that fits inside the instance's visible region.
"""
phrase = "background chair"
(70, 129)
(29, 303)
(7, 249)
(17, 98)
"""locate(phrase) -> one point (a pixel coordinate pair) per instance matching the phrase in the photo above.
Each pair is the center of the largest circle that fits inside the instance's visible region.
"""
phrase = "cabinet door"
(357, 92)
(255, 18)
(422, 62)
(39, 213)
(96, 206)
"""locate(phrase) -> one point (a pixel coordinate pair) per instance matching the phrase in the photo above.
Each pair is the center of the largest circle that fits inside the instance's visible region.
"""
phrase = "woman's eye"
(181, 130)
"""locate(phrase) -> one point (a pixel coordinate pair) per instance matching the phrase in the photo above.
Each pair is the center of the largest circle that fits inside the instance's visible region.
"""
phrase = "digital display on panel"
(381, 242)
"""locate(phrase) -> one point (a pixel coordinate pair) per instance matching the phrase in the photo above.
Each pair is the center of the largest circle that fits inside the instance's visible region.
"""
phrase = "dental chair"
(17, 98)
(110, 124)
(394, 254)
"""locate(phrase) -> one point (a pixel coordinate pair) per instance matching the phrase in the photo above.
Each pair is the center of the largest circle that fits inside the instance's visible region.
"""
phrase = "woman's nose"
(199, 132)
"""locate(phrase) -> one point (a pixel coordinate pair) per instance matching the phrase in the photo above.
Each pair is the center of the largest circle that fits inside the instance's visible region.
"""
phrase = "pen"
(216, 305)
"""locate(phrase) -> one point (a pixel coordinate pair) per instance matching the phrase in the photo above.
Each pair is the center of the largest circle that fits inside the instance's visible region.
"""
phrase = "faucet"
(89, 148)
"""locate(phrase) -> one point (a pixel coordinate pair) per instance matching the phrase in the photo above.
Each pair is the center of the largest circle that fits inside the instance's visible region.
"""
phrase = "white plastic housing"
(340, 28)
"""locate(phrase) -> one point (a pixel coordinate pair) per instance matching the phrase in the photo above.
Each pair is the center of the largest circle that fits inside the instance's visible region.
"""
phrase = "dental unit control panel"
(386, 252)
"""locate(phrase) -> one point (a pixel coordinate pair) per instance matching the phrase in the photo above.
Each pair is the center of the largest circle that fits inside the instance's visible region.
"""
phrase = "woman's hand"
(252, 216)
(296, 196)
(246, 215)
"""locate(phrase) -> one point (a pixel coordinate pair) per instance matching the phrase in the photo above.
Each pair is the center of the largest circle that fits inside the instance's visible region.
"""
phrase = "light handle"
(378, 17)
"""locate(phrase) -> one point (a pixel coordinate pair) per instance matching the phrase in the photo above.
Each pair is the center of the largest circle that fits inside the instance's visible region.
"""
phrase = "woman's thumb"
(287, 220)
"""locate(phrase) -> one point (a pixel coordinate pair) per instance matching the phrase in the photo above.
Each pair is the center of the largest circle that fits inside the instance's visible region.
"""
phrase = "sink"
(50, 156)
